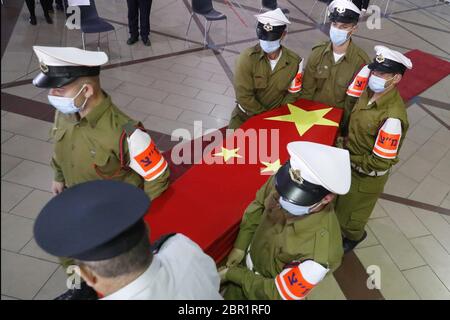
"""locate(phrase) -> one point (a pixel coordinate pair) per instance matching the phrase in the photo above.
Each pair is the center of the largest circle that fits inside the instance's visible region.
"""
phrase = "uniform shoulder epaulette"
(319, 45)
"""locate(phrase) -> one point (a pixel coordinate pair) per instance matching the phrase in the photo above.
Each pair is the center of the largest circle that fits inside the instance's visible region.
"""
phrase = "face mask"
(294, 209)
(67, 105)
(269, 46)
(377, 84)
(338, 36)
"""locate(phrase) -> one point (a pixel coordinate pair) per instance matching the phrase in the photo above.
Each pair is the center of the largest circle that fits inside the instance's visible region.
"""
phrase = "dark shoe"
(33, 20)
(146, 42)
(84, 293)
(349, 245)
(59, 7)
(48, 19)
(51, 9)
(132, 40)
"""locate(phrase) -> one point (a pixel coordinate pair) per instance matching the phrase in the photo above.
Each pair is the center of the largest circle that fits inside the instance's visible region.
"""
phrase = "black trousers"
(44, 3)
(139, 11)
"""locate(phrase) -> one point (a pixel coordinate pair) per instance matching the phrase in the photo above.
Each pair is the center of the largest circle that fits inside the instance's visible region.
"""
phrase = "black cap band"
(302, 194)
(347, 16)
(388, 66)
(58, 76)
(268, 32)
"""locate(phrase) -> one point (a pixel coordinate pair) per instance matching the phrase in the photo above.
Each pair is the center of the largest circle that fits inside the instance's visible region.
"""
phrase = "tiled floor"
(173, 83)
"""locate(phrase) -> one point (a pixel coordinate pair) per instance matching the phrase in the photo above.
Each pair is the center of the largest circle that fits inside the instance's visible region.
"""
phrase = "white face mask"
(67, 105)
(377, 84)
(270, 46)
(296, 210)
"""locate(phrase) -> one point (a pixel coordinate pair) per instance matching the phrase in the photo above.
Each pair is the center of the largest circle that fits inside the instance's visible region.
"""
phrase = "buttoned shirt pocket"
(260, 81)
(57, 134)
(106, 164)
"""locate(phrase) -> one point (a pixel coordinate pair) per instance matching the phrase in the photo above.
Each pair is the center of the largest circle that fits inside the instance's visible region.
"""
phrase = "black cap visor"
(347, 17)
(387, 66)
(44, 81)
(304, 194)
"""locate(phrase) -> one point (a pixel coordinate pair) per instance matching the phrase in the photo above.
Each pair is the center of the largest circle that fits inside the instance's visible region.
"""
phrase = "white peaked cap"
(344, 4)
(393, 55)
(274, 18)
(323, 165)
(68, 56)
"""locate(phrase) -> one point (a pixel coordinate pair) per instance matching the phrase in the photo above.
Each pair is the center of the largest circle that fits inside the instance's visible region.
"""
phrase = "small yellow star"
(228, 153)
(271, 167)
(305, 120)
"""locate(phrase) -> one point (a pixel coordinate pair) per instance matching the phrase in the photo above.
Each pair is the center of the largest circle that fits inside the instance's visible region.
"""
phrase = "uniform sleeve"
(309, 82)
(255, 286)
(252, 217)
(57, 172)
(291, 97)
(156, 187)
(349, 103)
(243, 85)
(385, 151)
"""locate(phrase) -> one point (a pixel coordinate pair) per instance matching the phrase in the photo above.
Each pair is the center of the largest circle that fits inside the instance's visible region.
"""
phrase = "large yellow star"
(228, 153)
(305, 120)
(271, 167)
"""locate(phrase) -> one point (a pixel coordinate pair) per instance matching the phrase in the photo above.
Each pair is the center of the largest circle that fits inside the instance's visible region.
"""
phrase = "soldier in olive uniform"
(333, 64)
(265, 72)
(93, 138)
(378, 124)
(292, 220)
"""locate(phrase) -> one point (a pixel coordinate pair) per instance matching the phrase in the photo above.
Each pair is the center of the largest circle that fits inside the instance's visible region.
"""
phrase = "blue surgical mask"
(67, 105)
(377, 84)
(294, 209)
(270, 46)
(338, 36)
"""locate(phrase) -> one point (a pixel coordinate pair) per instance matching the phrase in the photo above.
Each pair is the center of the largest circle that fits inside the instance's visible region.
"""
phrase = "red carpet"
(207, 202)
(426, 71)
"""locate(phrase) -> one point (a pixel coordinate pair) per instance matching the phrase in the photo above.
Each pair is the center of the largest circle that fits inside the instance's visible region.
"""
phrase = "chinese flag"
(207, 202)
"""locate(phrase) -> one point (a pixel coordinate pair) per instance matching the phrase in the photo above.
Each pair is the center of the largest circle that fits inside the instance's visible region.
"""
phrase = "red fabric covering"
(426, 71)
(207, 202)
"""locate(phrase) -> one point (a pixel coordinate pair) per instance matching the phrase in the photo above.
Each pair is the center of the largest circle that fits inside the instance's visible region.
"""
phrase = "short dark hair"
(135, 260)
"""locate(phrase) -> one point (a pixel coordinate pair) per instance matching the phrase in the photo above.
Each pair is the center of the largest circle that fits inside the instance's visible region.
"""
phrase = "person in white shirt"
(103, 230)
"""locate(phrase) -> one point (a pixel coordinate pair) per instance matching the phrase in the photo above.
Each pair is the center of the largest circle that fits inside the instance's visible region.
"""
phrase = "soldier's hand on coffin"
(235, 257)
(223, 273)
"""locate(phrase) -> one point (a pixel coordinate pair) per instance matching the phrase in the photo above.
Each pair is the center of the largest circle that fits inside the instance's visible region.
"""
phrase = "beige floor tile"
(27, 91)
(408, 149)
(205, 85)
(141, 92)
(9, 163)
(435, 256)
(438, 226)
(33, 250)
(420, 134)
(431, 191)
(26, 126)
(442, 170)
(161, 73)
(430, 122)
(31, 174)
(189, 104)
(405, 219)
(216, 98)
(442, 136)
(128, 76)
(208, 122)
(22, 277)
(155, 109)
(394, 286)
(55, 286)
(108, 83)
(29, 149)
(370, 241)
(6, 135)
(222, 112)
(180, 89)
(426, 284)
(416, 168)
(327, 289)
(7, 298)
(221, 79)
(432, 151)
(415, 114)
(191, 72)
(121, 100)
(378, 211)
(396, 244)
(167, 126)
(16, 232)
(32, 204)
(400, 185)
(12, 194)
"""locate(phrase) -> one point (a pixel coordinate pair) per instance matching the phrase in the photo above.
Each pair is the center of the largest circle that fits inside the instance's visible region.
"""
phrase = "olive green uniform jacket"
(353, 209)
(272, 245)
(258, 88)
(326, 81)
(88, 149)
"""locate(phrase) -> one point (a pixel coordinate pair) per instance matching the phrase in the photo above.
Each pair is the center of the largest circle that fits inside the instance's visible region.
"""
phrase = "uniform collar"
(97, 112)
(381, 102)
(139, 284)
(311, 221)
(349, 52)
